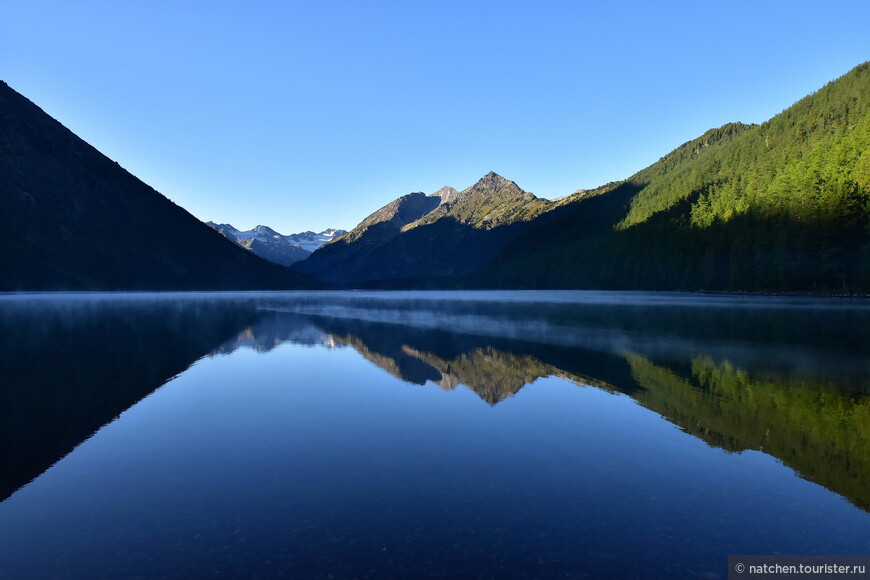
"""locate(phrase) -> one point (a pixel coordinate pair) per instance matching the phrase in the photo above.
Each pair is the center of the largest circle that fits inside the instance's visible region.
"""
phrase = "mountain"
(781, 206)
(72, 219)
(311, 241)
(336, 261)
(420, 236)
(274, 247)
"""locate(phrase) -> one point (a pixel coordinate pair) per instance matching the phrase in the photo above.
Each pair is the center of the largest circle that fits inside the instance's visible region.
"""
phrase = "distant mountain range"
(277, 248)
(781, 206)
(72, 219)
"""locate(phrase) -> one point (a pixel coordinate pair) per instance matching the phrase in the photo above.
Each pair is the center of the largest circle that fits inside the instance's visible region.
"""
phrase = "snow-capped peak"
(269, 244)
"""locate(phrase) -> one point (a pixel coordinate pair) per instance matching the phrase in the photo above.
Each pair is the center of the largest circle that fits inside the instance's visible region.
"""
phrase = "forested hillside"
(781, 206)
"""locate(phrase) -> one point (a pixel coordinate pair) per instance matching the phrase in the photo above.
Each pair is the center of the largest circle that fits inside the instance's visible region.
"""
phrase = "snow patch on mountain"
(270, 245)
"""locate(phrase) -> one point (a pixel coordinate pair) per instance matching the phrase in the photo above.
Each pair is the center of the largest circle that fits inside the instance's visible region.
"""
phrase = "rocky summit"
(419, 236)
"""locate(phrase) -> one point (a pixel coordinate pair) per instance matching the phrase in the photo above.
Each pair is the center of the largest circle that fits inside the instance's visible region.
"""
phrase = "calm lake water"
(429, 434)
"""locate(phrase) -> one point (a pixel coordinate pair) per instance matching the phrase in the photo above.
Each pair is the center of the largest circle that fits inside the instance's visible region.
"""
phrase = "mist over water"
(429, 434)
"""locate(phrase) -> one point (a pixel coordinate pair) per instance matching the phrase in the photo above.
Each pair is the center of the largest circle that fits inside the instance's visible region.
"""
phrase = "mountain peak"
(492, 183)
(446, 190)
(446, 194)
(220, 227)
(265, 231)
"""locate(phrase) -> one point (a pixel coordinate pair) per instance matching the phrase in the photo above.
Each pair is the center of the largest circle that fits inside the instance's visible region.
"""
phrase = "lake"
(429, 434)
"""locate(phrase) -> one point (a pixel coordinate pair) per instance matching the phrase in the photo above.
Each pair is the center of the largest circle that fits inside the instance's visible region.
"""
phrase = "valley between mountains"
(783, 206)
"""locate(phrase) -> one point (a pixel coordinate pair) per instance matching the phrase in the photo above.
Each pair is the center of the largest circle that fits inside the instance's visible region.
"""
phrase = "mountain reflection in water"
(786, 377)
(813, 414)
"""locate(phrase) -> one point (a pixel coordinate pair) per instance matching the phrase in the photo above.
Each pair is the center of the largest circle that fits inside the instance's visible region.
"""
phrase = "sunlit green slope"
(779, 206)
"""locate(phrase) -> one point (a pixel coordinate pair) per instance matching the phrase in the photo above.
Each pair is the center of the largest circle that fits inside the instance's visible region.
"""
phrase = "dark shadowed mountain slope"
(419, 236)
(784, 205)
(73, 219)
(341, 259)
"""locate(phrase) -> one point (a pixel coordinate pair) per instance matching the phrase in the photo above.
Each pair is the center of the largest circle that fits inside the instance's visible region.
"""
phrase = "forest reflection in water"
(788, 377)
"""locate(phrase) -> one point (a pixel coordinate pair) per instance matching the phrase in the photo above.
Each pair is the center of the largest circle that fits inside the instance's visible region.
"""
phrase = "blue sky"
(312, 115)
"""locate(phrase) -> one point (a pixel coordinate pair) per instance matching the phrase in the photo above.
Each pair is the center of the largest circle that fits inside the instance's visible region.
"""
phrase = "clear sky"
(313, 114)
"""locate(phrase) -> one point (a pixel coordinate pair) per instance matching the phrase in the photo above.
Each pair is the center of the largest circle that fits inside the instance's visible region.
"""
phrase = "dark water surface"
(429, 435)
